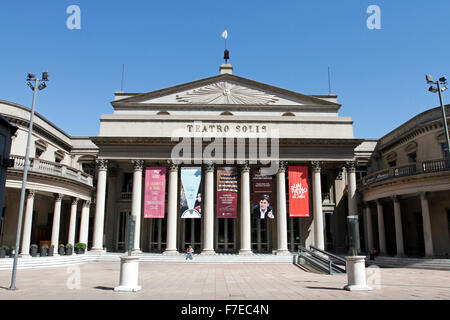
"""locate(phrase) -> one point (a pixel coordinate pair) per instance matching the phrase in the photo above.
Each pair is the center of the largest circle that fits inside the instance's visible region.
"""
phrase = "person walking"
(189, 252)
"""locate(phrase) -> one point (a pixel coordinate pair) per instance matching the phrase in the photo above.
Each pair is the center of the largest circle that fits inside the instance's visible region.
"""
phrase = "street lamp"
(441, 87)
(38, 84)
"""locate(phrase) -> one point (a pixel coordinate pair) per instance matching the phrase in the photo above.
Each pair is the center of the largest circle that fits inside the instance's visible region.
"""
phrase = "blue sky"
(378, 74)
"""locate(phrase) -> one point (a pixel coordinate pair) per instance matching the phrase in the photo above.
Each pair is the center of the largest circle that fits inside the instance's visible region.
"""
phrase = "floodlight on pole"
(42, 85)
(441, 87)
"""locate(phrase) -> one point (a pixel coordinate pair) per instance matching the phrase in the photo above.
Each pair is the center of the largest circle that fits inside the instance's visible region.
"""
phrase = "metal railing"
(318, 261)
(407, 170)
(52, 168)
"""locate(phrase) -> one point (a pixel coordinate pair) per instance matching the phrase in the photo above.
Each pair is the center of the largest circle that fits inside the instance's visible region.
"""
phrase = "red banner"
(227, 192)
(298, 192)
(155, 191)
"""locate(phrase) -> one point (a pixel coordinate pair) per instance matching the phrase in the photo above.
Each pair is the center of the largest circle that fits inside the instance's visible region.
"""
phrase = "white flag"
(225, 34)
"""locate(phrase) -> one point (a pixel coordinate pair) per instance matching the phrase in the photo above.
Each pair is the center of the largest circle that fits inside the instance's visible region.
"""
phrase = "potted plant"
(44, 250)
(3, 251)
(12, 252)
(80, 247)
(34, 250)
(61, 250)
(51, 250)
(69, 249)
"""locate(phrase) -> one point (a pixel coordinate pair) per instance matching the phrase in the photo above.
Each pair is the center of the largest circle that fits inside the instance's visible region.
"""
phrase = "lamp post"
(441, 87)
(38, 84)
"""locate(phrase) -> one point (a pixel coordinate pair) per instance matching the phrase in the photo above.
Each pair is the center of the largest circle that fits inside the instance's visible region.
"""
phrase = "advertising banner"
(191, 193)
(155, 191)
(298, 192)
(227, 192)
(262, 195)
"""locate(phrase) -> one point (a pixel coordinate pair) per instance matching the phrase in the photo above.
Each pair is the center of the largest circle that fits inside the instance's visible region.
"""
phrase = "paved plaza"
(95, 281)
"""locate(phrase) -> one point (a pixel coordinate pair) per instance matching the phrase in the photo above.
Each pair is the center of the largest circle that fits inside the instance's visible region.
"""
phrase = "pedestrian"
(189, 252)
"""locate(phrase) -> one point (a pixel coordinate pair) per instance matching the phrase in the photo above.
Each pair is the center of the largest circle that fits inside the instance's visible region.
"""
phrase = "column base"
(208, 252)
(24, 255)
(282, 252)
(127, 289)
(357, 288)
(171, 253)
(96, 251)
(137, 251)
(245, 252)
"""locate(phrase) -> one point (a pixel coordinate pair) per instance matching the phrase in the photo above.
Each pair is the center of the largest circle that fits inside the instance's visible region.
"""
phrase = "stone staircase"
(64, 261)
(417, 263)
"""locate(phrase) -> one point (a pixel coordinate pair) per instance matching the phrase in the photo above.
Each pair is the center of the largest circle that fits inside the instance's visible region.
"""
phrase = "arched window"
(163, 113)
(226, 113)
(288, 114)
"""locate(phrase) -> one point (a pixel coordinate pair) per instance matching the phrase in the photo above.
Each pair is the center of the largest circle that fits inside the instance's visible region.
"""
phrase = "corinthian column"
(398, 227)
(99, 219)
(73, 221)
(84, 223)
(317, 204)
(245, 210)
(136, 202)
(171, 243)
(352, 201)
(56, 221)
(427, 235)
(26, 236)
(281, 214)
(208, 225)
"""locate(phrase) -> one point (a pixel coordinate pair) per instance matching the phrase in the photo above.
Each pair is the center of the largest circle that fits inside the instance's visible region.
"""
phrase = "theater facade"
(224, 164)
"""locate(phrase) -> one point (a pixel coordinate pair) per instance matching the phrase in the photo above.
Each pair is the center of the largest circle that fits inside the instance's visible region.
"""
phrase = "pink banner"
(227, 192)
(155, 190)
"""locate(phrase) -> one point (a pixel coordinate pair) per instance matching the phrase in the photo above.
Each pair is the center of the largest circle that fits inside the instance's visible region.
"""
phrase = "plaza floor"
(96, 281)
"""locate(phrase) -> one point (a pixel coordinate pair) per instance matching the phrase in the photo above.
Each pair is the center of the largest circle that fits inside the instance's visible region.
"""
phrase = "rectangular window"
(127, 183)
(393, 164)
(444, 150)
(412, 157)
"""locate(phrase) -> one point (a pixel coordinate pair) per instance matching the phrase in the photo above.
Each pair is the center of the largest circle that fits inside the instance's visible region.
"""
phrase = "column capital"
(138, 164)
(379, 201)
(340, 174)
(351, 166)
(58, 196)
(282, 165)
(395, 198)
(102, 164)
(209, 165)
(423, 196)
(316, 166)
(244, 166)
(173, 166)
(75, 201)
(87, 203)
(31, 193)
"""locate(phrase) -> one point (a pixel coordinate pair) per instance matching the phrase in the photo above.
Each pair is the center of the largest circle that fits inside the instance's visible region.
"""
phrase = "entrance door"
(192, 234)
(226, 235)
(122, 231)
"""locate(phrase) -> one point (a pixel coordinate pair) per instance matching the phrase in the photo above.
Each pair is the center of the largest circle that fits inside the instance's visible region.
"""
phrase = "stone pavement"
(220, 282)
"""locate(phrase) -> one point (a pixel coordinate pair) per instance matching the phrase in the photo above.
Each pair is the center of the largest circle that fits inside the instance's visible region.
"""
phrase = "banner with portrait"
(155, 191)
(298, 192)
(191, 193)
(262, 195)
(227, 192)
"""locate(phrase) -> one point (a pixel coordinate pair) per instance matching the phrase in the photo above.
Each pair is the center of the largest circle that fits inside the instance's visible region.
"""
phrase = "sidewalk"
(223, 282)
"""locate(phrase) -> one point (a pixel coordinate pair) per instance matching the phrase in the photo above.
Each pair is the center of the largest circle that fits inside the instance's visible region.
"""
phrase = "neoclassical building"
(83, 189)
(406, 196)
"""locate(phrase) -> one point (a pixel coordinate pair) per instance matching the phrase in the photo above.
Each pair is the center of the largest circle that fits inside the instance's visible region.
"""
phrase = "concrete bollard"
(129, 274)
(356, 274)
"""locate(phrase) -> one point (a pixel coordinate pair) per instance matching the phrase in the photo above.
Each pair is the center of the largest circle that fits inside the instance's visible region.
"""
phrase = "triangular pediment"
(225, 89)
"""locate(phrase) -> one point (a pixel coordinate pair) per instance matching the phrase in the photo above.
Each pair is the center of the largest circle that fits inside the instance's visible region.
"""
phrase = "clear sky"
(379, 75)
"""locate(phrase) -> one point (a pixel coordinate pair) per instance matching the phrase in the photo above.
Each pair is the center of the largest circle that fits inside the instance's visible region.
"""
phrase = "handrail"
(407, 170)
(327, 262)
(329, 254)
